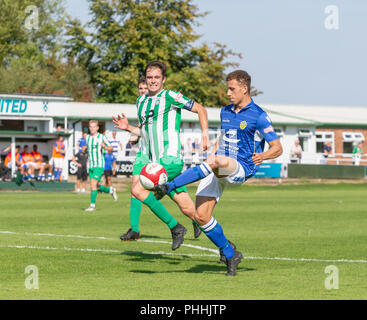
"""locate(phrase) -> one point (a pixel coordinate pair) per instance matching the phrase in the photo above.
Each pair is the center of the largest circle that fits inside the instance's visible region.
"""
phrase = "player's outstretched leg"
(130, 235)
(222, 257)
(110, 190)
(213, 230)
(197, 230)
(178, 231)
(135, 210)
(188, 176)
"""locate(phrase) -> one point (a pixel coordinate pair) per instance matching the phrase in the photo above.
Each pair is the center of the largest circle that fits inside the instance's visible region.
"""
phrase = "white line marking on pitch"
(161, 252)
(109, 251)
(104, 238)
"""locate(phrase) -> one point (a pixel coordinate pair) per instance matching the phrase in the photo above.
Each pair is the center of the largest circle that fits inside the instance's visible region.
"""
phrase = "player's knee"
(218, 162)
(201, 218)
(188, 209)
(135, 190)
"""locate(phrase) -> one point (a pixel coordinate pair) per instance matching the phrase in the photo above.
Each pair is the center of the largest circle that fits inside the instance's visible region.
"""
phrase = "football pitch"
(290, 236)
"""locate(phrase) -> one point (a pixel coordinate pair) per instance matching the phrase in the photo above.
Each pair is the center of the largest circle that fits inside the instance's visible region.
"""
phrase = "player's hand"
(121, 122)
(257, 158)
(204, 143)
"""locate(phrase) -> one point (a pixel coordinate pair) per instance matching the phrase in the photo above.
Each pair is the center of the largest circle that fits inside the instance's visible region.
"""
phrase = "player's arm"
(106, 145)
(76, 162)
(274, 151)
(6, 149)
(122, 123)
(18, 162)
(266, 129)
(203, 118)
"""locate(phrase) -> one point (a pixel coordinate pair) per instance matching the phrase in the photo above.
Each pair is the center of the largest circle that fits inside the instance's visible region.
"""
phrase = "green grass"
(325, 222)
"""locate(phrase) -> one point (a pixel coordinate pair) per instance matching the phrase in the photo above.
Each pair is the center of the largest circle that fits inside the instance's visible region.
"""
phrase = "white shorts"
(57, 163)
(211, 186)
(28, 165)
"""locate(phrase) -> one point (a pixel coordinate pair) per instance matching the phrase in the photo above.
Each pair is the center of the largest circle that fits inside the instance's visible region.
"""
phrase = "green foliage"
(17, 39)
(128, 34)
(105, 57)
(32, 59)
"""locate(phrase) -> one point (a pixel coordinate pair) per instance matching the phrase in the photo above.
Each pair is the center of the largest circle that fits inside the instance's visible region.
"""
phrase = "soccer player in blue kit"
(239, 151)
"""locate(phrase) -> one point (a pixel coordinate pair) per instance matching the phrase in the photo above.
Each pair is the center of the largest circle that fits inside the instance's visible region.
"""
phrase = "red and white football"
(152, 174)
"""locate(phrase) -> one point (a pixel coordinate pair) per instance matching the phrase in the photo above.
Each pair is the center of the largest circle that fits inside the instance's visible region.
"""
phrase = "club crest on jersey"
(243, 125)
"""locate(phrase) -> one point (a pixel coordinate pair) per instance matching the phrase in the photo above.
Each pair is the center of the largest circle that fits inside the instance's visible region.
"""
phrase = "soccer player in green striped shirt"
(159, 115)
(97, 145)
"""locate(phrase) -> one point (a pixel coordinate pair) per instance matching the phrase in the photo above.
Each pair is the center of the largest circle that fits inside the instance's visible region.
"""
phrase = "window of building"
(279, 132)
(304, 136)
(323, 138)
(350, 140)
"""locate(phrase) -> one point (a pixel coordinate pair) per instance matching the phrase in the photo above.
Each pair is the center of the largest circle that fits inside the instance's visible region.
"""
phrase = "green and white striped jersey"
(160, 121)
(95, 150)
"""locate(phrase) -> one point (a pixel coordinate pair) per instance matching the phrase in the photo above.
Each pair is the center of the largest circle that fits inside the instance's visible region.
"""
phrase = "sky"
(311, 52)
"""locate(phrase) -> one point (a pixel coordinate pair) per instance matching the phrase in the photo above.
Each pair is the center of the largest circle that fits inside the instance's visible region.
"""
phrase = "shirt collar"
(245, 107)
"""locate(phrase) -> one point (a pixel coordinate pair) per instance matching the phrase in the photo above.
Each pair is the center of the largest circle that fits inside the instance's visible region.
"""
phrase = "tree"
(32, 59)
(30, 28)
(127, 34)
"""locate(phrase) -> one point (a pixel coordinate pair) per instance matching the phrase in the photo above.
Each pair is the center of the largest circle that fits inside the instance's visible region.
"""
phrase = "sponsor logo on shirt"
(231, 136)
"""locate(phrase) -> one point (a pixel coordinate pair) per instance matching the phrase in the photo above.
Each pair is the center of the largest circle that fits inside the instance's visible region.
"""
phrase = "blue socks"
(189, 176)
(57, 174)
(214, 232)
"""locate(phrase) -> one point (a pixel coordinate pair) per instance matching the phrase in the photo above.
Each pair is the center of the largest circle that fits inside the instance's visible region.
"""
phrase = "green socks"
(135, 210)
(104, 189)
(159, 210)
(93, 196)
(94, 193)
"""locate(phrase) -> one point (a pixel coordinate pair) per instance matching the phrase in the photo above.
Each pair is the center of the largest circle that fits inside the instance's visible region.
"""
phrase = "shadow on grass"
(214, 267)
(138, 256)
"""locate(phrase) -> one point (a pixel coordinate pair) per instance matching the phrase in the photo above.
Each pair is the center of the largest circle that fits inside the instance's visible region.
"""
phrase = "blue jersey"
(82, 142)
(244, 133)
(109, 160)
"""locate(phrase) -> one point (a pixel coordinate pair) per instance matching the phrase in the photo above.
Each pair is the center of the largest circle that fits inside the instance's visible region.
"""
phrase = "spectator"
(132, 146)
(116, 144)
(195, 146)
(196, 151)
(82, 141)
(60, 128)
(142, 86)
(81, 160)
(296, 152)
(58, 155)
(357, 154)
(28, 164)
(38, 163)
(6, 167)
(109, 168)
(327, 150)
(188, 153)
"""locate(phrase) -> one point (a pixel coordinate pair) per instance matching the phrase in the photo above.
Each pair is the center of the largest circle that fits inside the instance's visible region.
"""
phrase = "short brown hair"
(142, 80)
(242, 77)
(157, 64)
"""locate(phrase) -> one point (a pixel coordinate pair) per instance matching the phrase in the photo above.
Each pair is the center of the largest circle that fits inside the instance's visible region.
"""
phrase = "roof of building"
(60, 106)
(322, 115)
